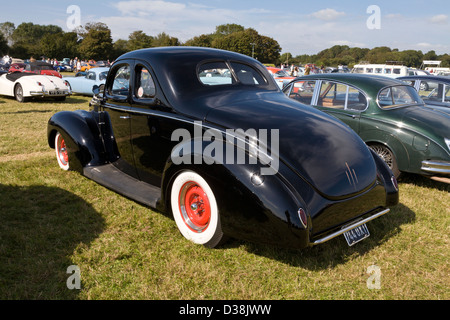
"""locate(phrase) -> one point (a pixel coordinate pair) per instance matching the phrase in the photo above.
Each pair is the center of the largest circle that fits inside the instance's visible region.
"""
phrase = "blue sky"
(300, 27)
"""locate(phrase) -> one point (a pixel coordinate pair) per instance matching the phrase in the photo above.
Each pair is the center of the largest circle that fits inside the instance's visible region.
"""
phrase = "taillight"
(302, 216)
(394, 182)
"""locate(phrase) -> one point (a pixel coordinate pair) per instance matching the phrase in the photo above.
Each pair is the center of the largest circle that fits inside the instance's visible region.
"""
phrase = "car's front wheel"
(195, 209)
(62, 155)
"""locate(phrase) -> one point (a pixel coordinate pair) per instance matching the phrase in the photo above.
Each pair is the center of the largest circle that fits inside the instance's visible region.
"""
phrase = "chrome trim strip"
(154, 113)
(435, 166)
(350, 227)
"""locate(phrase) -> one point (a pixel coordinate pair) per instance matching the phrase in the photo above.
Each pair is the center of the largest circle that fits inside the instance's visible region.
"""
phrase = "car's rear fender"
(253, 207)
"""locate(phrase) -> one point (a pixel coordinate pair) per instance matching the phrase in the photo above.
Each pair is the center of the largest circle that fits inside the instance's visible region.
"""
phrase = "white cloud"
(327, 14)
(439, 19)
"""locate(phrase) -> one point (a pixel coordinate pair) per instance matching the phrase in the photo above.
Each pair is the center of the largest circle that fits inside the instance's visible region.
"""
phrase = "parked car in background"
(157, 132)
(386, 70)
(281, 76)
(64, 67)
(85, 66)
(434, 90)
(42, 68)
(17, 67)
(85, 84)
(24, 86)
(387, 114)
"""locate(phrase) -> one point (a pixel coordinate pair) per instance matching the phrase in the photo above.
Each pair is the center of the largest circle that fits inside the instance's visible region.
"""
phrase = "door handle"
(125, 117)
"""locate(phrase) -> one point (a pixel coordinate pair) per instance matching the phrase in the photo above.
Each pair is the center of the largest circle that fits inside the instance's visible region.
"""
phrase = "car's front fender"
(83, 139)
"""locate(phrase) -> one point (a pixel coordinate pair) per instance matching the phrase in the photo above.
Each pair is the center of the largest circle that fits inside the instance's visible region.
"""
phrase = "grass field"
(51, 220)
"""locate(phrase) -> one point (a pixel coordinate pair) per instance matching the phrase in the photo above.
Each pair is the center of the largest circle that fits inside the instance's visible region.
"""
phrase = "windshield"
(398, 96)
(103, 75)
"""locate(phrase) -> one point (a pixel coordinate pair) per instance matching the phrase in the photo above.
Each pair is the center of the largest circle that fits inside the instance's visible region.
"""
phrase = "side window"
(356, 100)
(303, 91)
(332, 95)
(214, 73)
(431, 90)
(447, 93)
(247, 75)
(121, 81)
(90, 76)
(145, 86)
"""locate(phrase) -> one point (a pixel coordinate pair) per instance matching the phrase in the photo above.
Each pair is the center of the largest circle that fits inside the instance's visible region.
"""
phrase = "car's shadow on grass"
(40, 229)
(439, 183)
(335, 251)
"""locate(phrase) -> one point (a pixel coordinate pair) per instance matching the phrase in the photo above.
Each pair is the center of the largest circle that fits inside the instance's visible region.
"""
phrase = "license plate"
(356, 234)
(56, 93)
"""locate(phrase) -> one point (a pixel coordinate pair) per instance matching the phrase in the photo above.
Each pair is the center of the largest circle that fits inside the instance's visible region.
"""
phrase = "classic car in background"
(434, 90)
(24, 86)
(229, 158)
(42, 68)
(85, 84)
(64, 67)
(85, 66)
(281, 77)
(17, 67)
(388, 115)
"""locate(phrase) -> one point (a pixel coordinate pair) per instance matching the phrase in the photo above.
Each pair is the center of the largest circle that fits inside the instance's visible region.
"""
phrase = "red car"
(42, 68)
(17, 67)
(280, 76)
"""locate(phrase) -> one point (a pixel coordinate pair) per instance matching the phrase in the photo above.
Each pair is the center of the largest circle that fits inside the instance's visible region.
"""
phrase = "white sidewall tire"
(63, 165)
(213, 234)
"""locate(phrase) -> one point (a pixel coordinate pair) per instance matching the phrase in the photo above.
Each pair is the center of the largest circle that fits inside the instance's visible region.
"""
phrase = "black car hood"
(320, 149)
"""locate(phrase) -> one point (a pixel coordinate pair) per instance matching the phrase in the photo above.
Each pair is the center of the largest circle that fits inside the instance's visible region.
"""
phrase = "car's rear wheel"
(388, 157)
(195, 209)
(18, 93)
(62, 155)
(424, 86)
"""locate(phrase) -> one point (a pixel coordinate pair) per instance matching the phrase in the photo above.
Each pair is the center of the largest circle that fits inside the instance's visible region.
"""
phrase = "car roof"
(99, 69)
(365, 82)
(426, 77)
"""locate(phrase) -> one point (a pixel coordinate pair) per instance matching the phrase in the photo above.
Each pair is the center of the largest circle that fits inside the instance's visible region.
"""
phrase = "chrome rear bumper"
(350, 227)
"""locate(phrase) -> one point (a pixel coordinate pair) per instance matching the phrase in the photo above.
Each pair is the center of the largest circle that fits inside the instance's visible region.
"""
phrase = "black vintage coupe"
(208, 136)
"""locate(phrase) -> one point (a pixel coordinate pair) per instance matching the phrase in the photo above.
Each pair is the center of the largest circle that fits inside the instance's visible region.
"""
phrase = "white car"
(23, 86)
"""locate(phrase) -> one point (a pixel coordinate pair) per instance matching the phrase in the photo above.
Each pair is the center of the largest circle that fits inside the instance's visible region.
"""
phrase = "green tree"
(7, 29)
(203, 40)
(60, 45)
(4, 48)
(119, 48)
(250, 43)
(139, 40)
(164, 40)
(27, 38)
(96, 41)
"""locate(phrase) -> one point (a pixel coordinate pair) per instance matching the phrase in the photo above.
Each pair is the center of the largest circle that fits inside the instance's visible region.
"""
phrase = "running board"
(109, 176)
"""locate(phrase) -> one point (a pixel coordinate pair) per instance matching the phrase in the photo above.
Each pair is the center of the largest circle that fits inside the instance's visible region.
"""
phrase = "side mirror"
(96, 90)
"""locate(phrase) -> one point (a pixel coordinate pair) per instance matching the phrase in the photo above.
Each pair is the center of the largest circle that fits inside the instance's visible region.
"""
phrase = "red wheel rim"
(62, 150)
(194, 206)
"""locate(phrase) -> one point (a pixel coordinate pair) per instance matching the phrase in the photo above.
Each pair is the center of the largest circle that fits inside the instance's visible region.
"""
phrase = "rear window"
(219, 73)
(398, 96)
